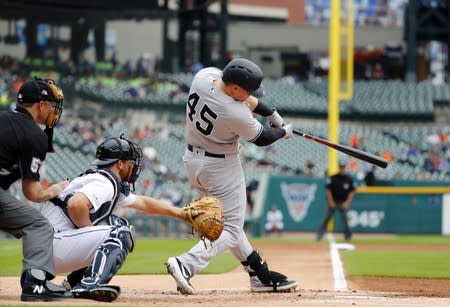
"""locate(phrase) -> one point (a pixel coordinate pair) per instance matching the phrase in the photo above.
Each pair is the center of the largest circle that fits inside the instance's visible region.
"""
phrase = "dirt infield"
(309, 264)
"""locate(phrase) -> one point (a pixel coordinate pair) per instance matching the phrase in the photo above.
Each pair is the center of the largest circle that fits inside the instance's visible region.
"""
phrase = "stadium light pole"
(412, 43)
(223, 32)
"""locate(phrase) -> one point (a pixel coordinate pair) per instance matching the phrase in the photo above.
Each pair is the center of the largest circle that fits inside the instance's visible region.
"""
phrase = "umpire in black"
(24, 146)
(340, 190)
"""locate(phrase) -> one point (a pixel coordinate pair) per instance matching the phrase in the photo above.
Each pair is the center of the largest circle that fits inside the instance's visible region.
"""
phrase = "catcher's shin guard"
(109, 257)
(263, 280)
(73, 278)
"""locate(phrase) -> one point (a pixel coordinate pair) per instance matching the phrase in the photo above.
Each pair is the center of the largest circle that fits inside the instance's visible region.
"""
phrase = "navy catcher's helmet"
(114, 149)
(246, 74)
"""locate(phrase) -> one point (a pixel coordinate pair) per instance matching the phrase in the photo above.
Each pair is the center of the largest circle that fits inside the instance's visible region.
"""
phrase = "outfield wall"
(401, 207)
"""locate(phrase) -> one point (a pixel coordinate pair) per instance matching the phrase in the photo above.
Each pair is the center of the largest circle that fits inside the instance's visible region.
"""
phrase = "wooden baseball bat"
(359, 154)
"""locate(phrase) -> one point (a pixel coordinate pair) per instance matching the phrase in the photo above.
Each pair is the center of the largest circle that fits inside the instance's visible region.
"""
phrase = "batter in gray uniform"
(218, 113)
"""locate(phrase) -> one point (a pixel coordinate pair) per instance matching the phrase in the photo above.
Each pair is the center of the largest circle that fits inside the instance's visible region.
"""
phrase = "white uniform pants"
(224, 179)
(75, 249)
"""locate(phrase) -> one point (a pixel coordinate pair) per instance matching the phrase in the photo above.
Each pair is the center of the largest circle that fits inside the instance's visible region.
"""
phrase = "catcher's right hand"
(206, 217)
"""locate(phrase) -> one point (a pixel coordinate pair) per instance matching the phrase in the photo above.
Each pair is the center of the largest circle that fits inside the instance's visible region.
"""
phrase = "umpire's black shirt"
(340, 187)
(23, 147)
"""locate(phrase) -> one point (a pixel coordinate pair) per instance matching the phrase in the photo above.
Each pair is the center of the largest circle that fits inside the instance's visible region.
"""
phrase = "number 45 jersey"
(214, 120)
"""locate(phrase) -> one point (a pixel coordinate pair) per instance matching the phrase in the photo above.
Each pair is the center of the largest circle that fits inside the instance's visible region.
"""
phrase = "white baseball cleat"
(180, 274)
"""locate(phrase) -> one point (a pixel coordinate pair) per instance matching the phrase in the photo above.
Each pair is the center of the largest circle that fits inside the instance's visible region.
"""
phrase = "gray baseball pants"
(223, 178)
(24, 221)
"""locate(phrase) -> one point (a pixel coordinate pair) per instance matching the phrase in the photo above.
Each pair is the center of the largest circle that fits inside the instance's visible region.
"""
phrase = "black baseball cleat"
(285, 285)
(102, 293)
(36, 289)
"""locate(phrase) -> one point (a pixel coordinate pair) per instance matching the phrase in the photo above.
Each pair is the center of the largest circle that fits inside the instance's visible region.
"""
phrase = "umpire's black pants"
(330, 213)
(24, 221)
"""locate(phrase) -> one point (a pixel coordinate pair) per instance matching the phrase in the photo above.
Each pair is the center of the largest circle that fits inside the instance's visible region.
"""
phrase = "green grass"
(10, 257)
(148, 257)
(418, 264)
(150, 254)
(405, 239)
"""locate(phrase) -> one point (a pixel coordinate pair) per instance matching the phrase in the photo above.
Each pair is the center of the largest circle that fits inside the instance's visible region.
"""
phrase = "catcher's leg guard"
(107, 261)
(110, 256)
(73, 279)
(263, 280)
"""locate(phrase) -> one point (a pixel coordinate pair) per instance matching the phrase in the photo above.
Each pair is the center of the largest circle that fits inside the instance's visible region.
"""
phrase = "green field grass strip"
(417, 264)
(148, 257)
(404, 239)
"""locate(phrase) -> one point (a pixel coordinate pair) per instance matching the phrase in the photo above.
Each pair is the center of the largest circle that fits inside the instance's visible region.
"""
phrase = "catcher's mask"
(37, 90)
(114, 149)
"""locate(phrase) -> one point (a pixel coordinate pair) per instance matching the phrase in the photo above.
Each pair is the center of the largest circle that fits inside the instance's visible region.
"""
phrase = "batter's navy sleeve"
(268, 136)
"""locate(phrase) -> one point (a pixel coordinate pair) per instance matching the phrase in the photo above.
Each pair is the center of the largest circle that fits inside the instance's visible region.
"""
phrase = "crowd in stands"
(136, 83)
(133, 81)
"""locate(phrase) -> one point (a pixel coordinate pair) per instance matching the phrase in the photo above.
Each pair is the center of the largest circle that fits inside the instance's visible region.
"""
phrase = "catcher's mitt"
(206, 217)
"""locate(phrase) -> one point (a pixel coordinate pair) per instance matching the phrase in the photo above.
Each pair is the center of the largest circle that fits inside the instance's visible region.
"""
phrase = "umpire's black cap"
(34, 91)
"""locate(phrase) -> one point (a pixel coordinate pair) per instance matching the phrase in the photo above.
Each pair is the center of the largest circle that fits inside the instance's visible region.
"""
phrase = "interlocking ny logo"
(38, 289)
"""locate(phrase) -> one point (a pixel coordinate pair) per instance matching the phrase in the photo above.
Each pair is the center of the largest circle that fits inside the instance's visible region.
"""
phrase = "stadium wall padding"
(400, 208)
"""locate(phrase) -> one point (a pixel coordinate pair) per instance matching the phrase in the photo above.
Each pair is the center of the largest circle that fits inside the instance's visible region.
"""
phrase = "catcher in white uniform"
(219, 112)
(89, 240)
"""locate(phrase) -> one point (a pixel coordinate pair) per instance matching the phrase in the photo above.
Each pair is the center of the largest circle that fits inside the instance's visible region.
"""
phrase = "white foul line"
(340, 284)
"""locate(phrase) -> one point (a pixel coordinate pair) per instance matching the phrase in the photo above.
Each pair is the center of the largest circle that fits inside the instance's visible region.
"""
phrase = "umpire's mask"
(33, 91)
(114, 149)
(57, 104)
(36, 90)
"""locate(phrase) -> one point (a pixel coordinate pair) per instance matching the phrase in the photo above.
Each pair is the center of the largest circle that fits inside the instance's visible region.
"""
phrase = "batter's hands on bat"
(289, 130)
(275, 119)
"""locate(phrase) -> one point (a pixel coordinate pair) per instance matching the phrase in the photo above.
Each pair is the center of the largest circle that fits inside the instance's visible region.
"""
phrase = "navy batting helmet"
(246, 74)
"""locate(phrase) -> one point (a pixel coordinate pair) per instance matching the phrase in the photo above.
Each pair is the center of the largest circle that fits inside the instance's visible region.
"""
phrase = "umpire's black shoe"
(36, 289)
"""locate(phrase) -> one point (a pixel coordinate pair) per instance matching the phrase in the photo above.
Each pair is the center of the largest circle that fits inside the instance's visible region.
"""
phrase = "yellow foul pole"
(335, 91)
(333, 83)
(348, 31)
